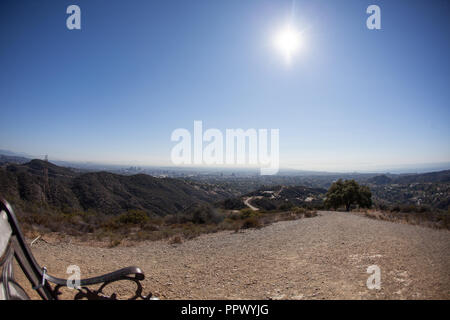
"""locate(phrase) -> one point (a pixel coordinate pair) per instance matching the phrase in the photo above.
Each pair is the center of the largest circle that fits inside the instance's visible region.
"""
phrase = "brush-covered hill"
(285, 197)
(429, 177)
(103, 192)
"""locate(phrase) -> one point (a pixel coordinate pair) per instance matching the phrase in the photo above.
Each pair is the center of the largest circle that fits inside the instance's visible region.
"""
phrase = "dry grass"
(135, 226)
(440, 220)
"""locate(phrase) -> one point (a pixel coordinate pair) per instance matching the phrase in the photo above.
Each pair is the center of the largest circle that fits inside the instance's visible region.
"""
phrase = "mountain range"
(43, 183)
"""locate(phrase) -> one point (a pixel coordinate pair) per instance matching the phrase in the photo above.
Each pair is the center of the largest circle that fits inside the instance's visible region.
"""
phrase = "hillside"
(4, 159)
(429, 177)
(430, 189)
(101, 191)
(285, 197)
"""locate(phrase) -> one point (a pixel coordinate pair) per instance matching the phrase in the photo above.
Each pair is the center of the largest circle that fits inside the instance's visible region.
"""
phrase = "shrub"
(251, 222)
(176, 240)
(202, 213)
(133, 217)
(246, 213)
(310, 214)
(298, 210)
(115, 240)
(150, 227)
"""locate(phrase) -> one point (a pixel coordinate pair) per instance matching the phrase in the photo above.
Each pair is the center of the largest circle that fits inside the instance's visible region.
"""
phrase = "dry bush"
(310, 214)
(176, 240)
(115, 240)
(251, 222)
(136, 225)
(298, 210)
(436, 220)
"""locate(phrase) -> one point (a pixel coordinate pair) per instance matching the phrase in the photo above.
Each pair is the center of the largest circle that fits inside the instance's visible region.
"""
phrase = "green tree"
(348, 192)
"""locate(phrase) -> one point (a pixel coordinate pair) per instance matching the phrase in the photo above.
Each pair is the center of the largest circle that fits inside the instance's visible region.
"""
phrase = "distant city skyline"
(348, 98)
(403, 168)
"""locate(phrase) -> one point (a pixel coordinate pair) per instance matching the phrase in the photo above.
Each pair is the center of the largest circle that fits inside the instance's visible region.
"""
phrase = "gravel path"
(324, 257)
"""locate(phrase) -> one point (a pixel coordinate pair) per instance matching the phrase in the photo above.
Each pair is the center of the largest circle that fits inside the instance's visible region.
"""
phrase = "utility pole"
(46, 186)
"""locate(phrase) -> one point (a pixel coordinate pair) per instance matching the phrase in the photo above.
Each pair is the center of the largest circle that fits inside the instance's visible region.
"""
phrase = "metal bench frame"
(47, 286)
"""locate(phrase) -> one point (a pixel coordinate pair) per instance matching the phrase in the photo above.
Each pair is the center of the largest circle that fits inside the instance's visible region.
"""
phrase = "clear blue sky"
(352, 99)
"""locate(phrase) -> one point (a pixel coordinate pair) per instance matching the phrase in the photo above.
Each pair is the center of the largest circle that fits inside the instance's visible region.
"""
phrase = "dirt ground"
(325, 257)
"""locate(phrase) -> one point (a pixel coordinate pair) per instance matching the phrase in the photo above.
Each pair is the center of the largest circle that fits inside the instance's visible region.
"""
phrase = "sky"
(350, 99)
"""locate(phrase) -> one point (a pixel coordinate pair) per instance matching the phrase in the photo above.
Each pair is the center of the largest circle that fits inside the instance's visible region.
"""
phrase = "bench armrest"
(134, 274)
(121, 274)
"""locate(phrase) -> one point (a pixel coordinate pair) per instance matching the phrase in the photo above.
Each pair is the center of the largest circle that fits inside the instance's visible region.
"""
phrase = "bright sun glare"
(288, 42)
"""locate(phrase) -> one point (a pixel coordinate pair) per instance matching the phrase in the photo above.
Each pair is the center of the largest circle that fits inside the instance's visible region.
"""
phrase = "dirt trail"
(325, 257)
(248, 204)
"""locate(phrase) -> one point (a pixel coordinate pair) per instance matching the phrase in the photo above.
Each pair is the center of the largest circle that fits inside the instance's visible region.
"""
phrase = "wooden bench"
(13, 247)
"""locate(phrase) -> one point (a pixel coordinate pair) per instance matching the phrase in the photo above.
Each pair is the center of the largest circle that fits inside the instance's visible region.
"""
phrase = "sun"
(288, 41)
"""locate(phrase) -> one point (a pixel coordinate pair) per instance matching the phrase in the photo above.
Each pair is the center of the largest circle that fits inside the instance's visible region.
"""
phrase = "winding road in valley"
(249, 199)
(248, 204)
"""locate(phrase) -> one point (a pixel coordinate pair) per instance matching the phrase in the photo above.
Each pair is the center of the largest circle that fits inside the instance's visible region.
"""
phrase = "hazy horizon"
(405, 168)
